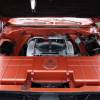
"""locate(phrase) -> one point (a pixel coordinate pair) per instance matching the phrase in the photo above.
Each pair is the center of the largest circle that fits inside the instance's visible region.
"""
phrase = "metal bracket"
(29, 78)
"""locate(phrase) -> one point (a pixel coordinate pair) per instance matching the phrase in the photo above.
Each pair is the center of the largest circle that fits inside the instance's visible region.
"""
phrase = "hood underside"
(80, 8)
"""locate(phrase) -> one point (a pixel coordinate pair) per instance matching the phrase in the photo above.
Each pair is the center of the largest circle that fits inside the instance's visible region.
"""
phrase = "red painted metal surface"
(79, 71)
(20, 35)
(82, 73)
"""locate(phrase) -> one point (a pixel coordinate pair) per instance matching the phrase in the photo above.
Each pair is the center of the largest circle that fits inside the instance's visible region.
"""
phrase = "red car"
(49, 58)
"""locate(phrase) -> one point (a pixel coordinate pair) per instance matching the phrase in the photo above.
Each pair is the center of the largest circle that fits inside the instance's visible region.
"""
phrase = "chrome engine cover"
(53, 45)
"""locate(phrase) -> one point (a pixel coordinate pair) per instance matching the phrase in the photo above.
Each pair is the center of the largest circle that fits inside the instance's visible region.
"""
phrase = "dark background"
(78, 8)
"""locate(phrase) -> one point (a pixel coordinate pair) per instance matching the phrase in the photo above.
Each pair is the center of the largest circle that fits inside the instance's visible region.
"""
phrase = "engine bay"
(56, 45)
(49, 56)
(50, 36)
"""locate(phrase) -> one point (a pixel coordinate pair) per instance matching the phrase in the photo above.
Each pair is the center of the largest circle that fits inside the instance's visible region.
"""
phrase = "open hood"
(75, 8)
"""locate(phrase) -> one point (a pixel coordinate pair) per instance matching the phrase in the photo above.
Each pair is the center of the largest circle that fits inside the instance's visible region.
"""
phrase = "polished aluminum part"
(50, 46)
